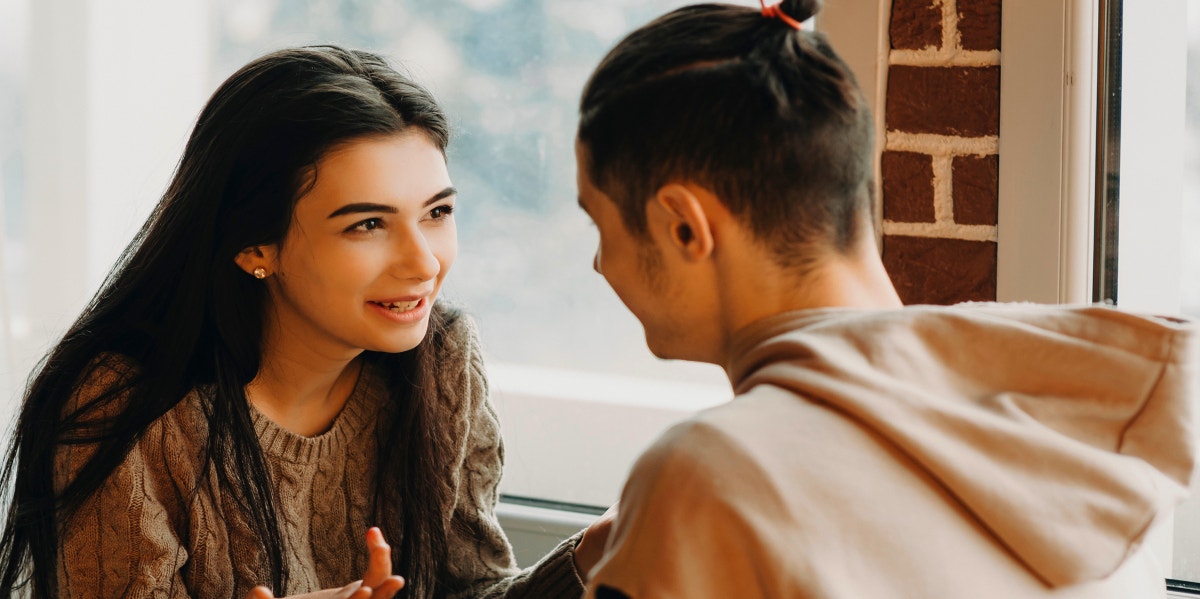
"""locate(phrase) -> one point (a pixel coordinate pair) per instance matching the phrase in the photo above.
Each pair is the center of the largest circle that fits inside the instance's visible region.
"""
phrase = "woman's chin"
(397, 344)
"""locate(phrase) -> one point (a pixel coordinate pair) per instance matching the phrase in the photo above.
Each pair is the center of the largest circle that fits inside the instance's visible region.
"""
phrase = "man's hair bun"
(801, 10)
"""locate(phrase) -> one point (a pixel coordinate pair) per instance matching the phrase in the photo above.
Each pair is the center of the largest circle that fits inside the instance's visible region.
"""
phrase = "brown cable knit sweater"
(139, 536)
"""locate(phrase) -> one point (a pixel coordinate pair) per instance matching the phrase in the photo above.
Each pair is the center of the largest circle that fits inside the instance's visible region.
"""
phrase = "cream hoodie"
(982, 450)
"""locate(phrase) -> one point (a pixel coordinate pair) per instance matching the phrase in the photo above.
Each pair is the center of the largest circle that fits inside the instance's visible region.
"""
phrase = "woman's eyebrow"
(387, 208)
(363, 207)
(441, 195)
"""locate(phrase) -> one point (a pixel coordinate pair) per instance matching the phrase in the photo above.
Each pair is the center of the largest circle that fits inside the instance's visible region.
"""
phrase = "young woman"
(267, 374)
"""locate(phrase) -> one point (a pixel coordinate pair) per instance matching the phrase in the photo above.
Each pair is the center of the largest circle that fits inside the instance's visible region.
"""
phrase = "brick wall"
(940, 159)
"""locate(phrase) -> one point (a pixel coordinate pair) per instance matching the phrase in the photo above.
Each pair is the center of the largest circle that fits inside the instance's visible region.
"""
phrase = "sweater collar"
(280, 443)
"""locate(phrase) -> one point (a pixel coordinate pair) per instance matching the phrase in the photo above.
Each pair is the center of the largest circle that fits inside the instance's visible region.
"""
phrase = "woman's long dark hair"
(177, 314)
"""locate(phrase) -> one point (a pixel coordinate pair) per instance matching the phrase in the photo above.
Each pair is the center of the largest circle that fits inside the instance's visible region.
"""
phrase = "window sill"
(572, 436)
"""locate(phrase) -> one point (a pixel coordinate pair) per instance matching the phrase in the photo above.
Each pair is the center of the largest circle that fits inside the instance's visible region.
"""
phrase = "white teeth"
(401, 306)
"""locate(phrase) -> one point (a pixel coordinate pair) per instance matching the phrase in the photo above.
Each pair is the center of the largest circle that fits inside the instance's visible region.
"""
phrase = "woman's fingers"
(379, 560)
(389, 588)
(379, 576)
(378, 583)
(354, 590)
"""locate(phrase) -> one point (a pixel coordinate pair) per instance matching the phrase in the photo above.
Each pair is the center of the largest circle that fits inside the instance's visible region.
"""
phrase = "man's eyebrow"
(359, 207)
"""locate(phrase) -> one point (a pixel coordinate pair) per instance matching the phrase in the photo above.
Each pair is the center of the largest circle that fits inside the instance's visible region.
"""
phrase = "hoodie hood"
(1064, 431)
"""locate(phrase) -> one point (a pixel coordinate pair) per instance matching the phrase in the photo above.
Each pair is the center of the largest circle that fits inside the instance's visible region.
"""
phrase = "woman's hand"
(591, 547)
(377, 583)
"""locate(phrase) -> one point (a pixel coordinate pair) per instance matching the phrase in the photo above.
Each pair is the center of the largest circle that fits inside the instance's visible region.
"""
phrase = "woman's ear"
(682, 216)
(257, 261)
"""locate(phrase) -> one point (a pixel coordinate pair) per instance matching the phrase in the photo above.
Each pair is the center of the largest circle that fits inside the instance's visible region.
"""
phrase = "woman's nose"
(415, 259)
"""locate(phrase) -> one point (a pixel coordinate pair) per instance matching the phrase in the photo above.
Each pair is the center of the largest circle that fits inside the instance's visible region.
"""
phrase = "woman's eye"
(441, 212)
(368, 225)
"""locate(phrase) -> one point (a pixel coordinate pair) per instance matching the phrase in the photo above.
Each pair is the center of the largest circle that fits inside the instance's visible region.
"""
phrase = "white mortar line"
(943, 189)
(941, 231)
(942, 145)
(951, 38)
(943, 57)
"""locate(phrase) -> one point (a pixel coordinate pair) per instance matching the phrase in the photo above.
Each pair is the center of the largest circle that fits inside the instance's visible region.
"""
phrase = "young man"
(871, 450)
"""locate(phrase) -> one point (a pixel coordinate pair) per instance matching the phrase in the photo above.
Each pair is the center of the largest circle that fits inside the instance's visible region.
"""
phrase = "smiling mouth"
(400, 307)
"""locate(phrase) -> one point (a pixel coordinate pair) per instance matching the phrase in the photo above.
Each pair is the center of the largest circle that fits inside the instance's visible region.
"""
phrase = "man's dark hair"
(766, 116)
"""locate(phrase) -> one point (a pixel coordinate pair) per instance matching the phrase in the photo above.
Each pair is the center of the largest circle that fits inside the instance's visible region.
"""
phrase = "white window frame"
(1047, 150)
(1048, 115)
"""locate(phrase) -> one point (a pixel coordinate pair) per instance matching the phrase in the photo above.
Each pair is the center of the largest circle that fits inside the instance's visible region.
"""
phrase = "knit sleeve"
(479, 552)
(123, 540)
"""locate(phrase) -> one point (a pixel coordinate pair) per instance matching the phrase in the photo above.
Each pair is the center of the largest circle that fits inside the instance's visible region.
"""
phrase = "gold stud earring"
(260, 273)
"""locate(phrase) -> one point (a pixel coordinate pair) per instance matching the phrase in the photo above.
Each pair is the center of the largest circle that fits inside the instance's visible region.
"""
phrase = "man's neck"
(854, 280)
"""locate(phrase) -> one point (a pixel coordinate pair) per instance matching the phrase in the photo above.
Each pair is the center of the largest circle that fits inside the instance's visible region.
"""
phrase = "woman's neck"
(300, 390)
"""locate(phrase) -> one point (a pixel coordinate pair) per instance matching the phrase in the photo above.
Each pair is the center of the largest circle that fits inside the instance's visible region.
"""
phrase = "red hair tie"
(774, 11)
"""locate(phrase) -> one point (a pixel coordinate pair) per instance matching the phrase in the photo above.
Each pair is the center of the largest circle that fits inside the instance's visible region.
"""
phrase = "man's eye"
(441, 212)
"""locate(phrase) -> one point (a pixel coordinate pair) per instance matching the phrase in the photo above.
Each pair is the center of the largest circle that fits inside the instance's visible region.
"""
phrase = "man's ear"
(679, 212)
(257, 260)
